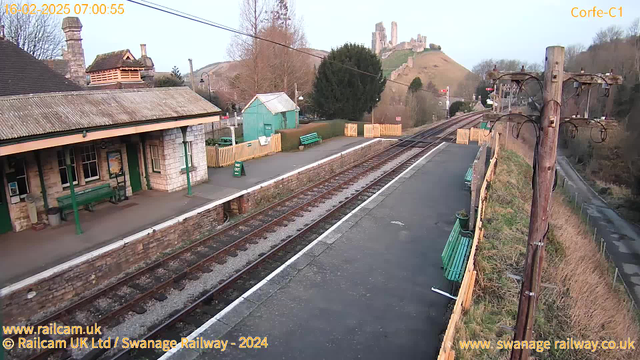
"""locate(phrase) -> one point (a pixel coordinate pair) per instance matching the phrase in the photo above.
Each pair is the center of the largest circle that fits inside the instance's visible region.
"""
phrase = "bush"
(326, 129)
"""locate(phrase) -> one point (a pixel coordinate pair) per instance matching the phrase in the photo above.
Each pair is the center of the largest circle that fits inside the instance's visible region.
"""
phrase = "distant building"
(128, 72)
(266, 113)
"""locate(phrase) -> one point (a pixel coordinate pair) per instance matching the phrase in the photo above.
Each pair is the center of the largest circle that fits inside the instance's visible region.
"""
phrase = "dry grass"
(579, 301)
(597, 309)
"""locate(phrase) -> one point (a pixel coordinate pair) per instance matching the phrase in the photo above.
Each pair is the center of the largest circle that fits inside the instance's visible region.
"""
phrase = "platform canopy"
(38, 121)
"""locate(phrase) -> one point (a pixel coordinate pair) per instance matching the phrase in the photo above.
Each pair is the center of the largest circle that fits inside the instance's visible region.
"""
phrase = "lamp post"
(208, 83)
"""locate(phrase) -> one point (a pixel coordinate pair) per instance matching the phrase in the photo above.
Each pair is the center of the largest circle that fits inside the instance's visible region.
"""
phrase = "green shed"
(266, 113)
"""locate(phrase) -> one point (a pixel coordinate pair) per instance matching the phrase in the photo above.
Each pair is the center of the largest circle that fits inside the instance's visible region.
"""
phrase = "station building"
(57, 138)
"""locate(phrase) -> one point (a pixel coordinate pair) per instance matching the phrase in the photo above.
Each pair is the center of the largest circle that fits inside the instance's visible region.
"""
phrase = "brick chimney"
(149, 69)
(143, 49)
(74, 54)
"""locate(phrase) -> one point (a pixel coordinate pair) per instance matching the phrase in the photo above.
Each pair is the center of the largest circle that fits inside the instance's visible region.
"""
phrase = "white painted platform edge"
(257, 286)
(131, 238)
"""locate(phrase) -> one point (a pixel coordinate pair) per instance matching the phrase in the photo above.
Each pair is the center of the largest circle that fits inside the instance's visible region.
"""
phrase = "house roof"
(21, 73)
(114, 60)
(25, 116)
(274, 102)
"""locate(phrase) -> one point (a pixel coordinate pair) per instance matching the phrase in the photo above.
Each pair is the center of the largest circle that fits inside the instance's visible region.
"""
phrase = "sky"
(468, 31)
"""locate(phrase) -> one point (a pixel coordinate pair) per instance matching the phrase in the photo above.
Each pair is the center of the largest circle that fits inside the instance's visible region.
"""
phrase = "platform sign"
(238, 169)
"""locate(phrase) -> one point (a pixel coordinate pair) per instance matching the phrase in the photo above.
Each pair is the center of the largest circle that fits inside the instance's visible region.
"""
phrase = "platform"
(362, 290)
(30, 252)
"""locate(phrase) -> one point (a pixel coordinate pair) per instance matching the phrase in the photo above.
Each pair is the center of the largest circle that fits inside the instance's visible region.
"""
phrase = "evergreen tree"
(175, 72)
(339, 92)
(415, 85)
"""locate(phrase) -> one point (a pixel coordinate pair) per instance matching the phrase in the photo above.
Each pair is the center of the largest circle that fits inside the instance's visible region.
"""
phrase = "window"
(90, 163)
(17, 177)
(155, 158)
(190, 158)
(63, 169)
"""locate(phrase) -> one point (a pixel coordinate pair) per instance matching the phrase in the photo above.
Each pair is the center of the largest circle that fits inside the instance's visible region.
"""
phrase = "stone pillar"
(74, 54)
(394, 34)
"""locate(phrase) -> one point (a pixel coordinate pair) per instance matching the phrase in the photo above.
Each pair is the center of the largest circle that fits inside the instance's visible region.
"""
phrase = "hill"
(430, 65)
(225, 70)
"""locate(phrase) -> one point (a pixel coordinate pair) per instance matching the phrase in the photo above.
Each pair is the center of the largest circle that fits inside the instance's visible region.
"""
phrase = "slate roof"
(274, 102)
(25, 116)
(21, 73)
(113, 60)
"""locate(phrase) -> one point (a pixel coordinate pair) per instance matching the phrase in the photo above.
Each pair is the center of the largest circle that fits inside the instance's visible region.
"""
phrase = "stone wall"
(79, 281)
(172, 174)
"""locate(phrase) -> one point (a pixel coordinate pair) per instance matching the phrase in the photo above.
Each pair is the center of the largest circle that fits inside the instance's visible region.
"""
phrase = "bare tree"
(38, 34)
(610, 34)
(246, 50)
(634, 28)
(570, 56)
(264, 66)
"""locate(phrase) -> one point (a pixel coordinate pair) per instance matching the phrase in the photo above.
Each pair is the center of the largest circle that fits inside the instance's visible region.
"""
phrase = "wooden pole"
(193, 81)
(540, 204)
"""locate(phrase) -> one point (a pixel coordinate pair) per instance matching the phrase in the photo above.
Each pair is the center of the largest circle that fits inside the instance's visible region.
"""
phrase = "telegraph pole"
(540, 204)
(544, 174)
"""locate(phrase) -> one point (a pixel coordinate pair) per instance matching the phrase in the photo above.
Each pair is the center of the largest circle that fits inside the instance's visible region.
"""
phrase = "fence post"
(595, 231)
(575, 204)
(615, 275)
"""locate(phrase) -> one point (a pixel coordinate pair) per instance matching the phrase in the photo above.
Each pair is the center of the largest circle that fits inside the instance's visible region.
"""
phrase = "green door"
(134, 167)
(5, 219)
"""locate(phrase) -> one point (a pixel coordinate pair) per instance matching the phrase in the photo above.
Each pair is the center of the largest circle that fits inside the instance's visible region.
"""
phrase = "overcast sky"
(468, 31)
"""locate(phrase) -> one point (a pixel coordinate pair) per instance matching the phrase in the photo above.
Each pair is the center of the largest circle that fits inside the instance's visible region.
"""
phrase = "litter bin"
(54, 216)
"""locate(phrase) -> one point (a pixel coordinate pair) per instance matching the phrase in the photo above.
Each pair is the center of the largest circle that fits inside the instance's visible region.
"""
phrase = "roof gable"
(274, 102)
(21, 73)
(114, 60)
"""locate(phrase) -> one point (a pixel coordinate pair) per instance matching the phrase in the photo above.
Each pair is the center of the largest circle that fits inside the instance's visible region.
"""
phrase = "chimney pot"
(143, 49)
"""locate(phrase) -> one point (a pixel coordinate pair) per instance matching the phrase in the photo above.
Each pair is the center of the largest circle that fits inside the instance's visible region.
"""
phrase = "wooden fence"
(479, 135)
(463, 302)
(225, 156)
(351, 130)
(462, 136)
(377, 130)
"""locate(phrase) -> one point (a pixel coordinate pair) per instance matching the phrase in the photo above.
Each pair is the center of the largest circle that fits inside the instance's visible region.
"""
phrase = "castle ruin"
(379, 40)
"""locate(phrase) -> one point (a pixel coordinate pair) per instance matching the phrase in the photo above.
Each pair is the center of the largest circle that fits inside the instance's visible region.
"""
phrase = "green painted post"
(186, 162)
(144, 160)
(42, 184)
(186, 158)
(76, 216)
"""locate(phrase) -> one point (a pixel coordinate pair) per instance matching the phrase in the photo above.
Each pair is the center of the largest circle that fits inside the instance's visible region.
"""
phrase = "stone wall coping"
(125, 241)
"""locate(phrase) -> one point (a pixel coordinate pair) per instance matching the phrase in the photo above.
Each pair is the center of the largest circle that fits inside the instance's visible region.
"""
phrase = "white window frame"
(189, 152)
(73, 164)
(155, 158)
(94, 158)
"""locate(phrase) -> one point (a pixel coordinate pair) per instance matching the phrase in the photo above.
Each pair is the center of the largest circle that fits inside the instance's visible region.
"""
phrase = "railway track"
(109, 306)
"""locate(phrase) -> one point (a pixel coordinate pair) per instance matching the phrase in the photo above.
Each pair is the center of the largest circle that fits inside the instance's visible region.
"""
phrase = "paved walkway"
(29, 252)
(364, 289)
(622, 237)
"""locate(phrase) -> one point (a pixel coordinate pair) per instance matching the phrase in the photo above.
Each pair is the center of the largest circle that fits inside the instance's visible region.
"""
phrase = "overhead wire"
(187, 16)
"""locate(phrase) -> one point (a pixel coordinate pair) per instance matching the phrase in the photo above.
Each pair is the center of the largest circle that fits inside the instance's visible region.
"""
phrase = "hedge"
(326, 129)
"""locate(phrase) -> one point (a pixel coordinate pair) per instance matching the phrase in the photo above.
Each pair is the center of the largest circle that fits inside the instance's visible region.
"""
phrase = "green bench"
(456, 253)
(225, 141)
(310, 138)
(86, 197)
(467, 177)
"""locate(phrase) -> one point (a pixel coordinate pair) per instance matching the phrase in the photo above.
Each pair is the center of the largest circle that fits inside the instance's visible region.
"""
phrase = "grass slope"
(579, 302)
